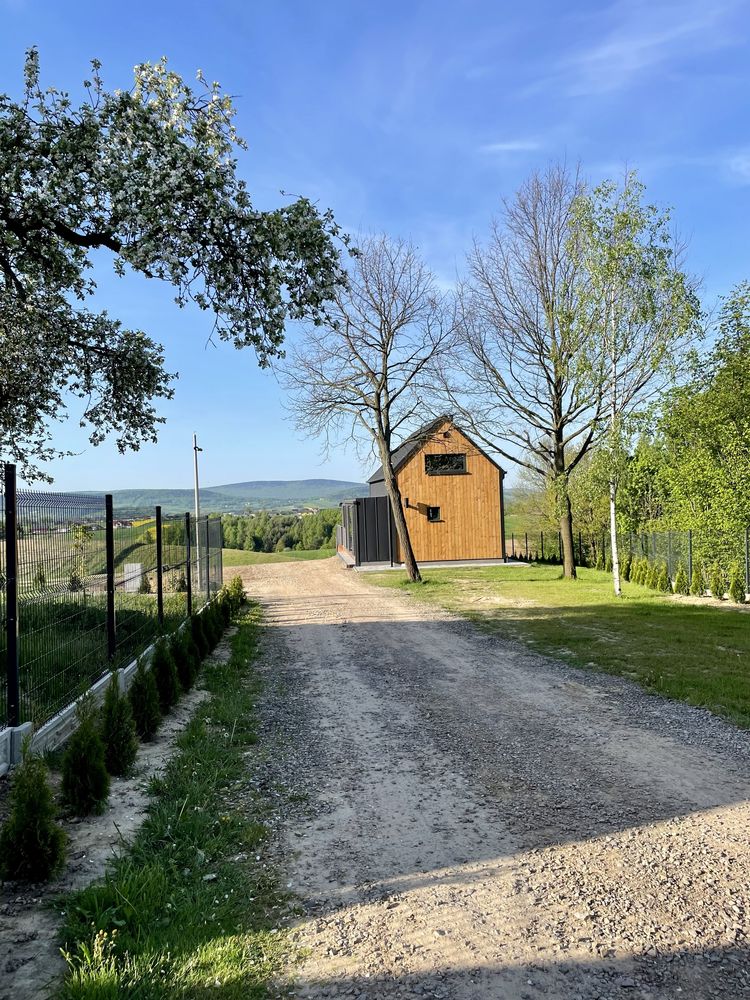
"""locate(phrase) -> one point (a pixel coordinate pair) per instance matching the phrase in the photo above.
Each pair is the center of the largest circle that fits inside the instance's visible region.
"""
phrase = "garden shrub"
(118, 730)
(186, 658)
(199, 636)
(627, 566)
(85, 781)
(662, 580)
(209, 627)
(608, 562)
(165, 674)
(236, 592)
(144, 701)
(736, 584)
(144, 586)
(225, 606)
(716, 582)
(696, 581)
(681, 583)
(32, 844)
(599, 564)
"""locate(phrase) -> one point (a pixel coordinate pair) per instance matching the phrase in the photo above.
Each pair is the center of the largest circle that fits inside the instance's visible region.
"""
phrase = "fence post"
(11, 597)
(513, 545)
(690, 556)
(542, 538)
(580, 548)
(526, 541)
(188, 562)
(109, 536)
(159, 570)
(208, 563)
(747, 560)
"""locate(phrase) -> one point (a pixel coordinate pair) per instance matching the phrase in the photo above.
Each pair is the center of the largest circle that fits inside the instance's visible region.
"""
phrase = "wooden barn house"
(452, 494)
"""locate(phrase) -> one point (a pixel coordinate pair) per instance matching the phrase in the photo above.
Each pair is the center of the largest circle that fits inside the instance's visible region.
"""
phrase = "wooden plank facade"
(469, 525)
(452, 493)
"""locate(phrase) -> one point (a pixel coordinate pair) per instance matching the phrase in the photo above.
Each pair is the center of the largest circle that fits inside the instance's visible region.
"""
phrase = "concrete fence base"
(60, 727)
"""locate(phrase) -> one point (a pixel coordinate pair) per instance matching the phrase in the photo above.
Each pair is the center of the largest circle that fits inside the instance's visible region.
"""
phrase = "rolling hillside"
(235, 498)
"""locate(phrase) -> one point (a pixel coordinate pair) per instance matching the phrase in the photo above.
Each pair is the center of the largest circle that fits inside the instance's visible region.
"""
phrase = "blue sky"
(413, 118)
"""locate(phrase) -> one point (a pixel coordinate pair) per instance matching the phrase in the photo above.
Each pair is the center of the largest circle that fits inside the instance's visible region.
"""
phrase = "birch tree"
(641, 312)
(367, 371)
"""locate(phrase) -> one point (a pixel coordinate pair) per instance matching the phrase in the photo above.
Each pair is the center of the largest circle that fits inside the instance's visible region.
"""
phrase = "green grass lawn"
(238, 557)
(697, 652)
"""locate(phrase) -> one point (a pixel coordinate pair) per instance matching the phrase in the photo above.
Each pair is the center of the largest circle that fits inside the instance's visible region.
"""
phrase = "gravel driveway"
(485, 822)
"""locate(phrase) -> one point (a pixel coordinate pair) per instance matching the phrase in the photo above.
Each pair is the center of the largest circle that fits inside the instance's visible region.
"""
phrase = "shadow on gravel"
(682, 974)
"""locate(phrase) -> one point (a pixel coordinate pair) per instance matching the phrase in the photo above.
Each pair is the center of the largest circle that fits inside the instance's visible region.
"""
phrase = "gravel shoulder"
(475, 820)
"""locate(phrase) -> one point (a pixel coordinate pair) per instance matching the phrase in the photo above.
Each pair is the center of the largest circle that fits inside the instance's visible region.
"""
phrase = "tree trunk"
(613, 538)
(566, 533)
(402, 530)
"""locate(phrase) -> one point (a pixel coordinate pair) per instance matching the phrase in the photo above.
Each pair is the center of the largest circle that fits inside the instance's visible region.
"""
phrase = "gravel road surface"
(477, 821)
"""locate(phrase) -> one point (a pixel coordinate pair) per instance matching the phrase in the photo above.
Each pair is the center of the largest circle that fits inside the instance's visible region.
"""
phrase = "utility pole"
(196, 449)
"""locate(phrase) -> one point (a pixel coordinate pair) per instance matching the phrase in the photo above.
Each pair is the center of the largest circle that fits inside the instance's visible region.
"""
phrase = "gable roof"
(416, 440)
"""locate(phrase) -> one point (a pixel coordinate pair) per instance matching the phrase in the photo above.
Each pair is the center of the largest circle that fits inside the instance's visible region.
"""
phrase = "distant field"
(238, 557)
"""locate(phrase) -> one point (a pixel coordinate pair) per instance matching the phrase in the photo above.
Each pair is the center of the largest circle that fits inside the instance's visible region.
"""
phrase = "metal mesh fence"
(730, 551)
(66, 636)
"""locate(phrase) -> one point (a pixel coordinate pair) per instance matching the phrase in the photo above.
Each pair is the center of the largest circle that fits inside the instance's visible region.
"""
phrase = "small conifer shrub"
(736, 585)
(225, 606)
(118, 730)
(716, 582)
(236, 593)
(144, 701)
(627, 566)
(215, 624)
(199, 636)
(662, 580)
(186, 658)
(85, 781)
(608, 562)
(681, 582)
(599, 564)
(165, 674)
(696, 581)
(32, 844)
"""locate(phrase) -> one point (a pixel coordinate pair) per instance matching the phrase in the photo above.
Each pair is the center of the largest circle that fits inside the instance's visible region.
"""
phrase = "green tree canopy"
(149, 175)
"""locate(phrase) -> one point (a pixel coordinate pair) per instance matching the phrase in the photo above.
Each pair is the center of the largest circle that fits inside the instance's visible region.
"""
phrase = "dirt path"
(484, 822)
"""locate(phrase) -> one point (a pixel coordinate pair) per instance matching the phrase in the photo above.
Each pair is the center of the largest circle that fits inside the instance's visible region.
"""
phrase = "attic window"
(450, 464)
(433, 513)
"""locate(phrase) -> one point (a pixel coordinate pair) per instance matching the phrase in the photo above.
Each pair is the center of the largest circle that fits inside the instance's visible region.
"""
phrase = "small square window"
(433, 513)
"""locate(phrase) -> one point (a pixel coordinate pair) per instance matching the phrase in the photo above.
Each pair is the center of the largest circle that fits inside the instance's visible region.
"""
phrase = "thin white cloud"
(739, 166)
(635, 38)
(512, 146)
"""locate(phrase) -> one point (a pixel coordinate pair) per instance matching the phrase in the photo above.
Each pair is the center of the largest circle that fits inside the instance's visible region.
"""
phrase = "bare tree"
(367, 370)
(523, 381)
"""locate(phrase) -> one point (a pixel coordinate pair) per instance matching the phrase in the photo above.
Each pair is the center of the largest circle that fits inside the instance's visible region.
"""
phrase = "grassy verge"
(696, 652)
(239, 557)
(187, 910)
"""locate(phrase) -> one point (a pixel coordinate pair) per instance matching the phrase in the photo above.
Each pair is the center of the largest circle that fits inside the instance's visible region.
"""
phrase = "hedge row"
(105, 743)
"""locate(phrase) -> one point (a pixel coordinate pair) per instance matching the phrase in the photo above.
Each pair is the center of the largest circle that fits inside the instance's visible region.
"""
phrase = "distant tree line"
(268, 532)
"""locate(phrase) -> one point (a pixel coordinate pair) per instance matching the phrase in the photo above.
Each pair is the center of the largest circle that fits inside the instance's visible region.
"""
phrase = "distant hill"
(237, 498)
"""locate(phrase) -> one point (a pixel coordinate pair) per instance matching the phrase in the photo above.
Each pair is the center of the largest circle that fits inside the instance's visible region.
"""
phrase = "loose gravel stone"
(464, 818)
